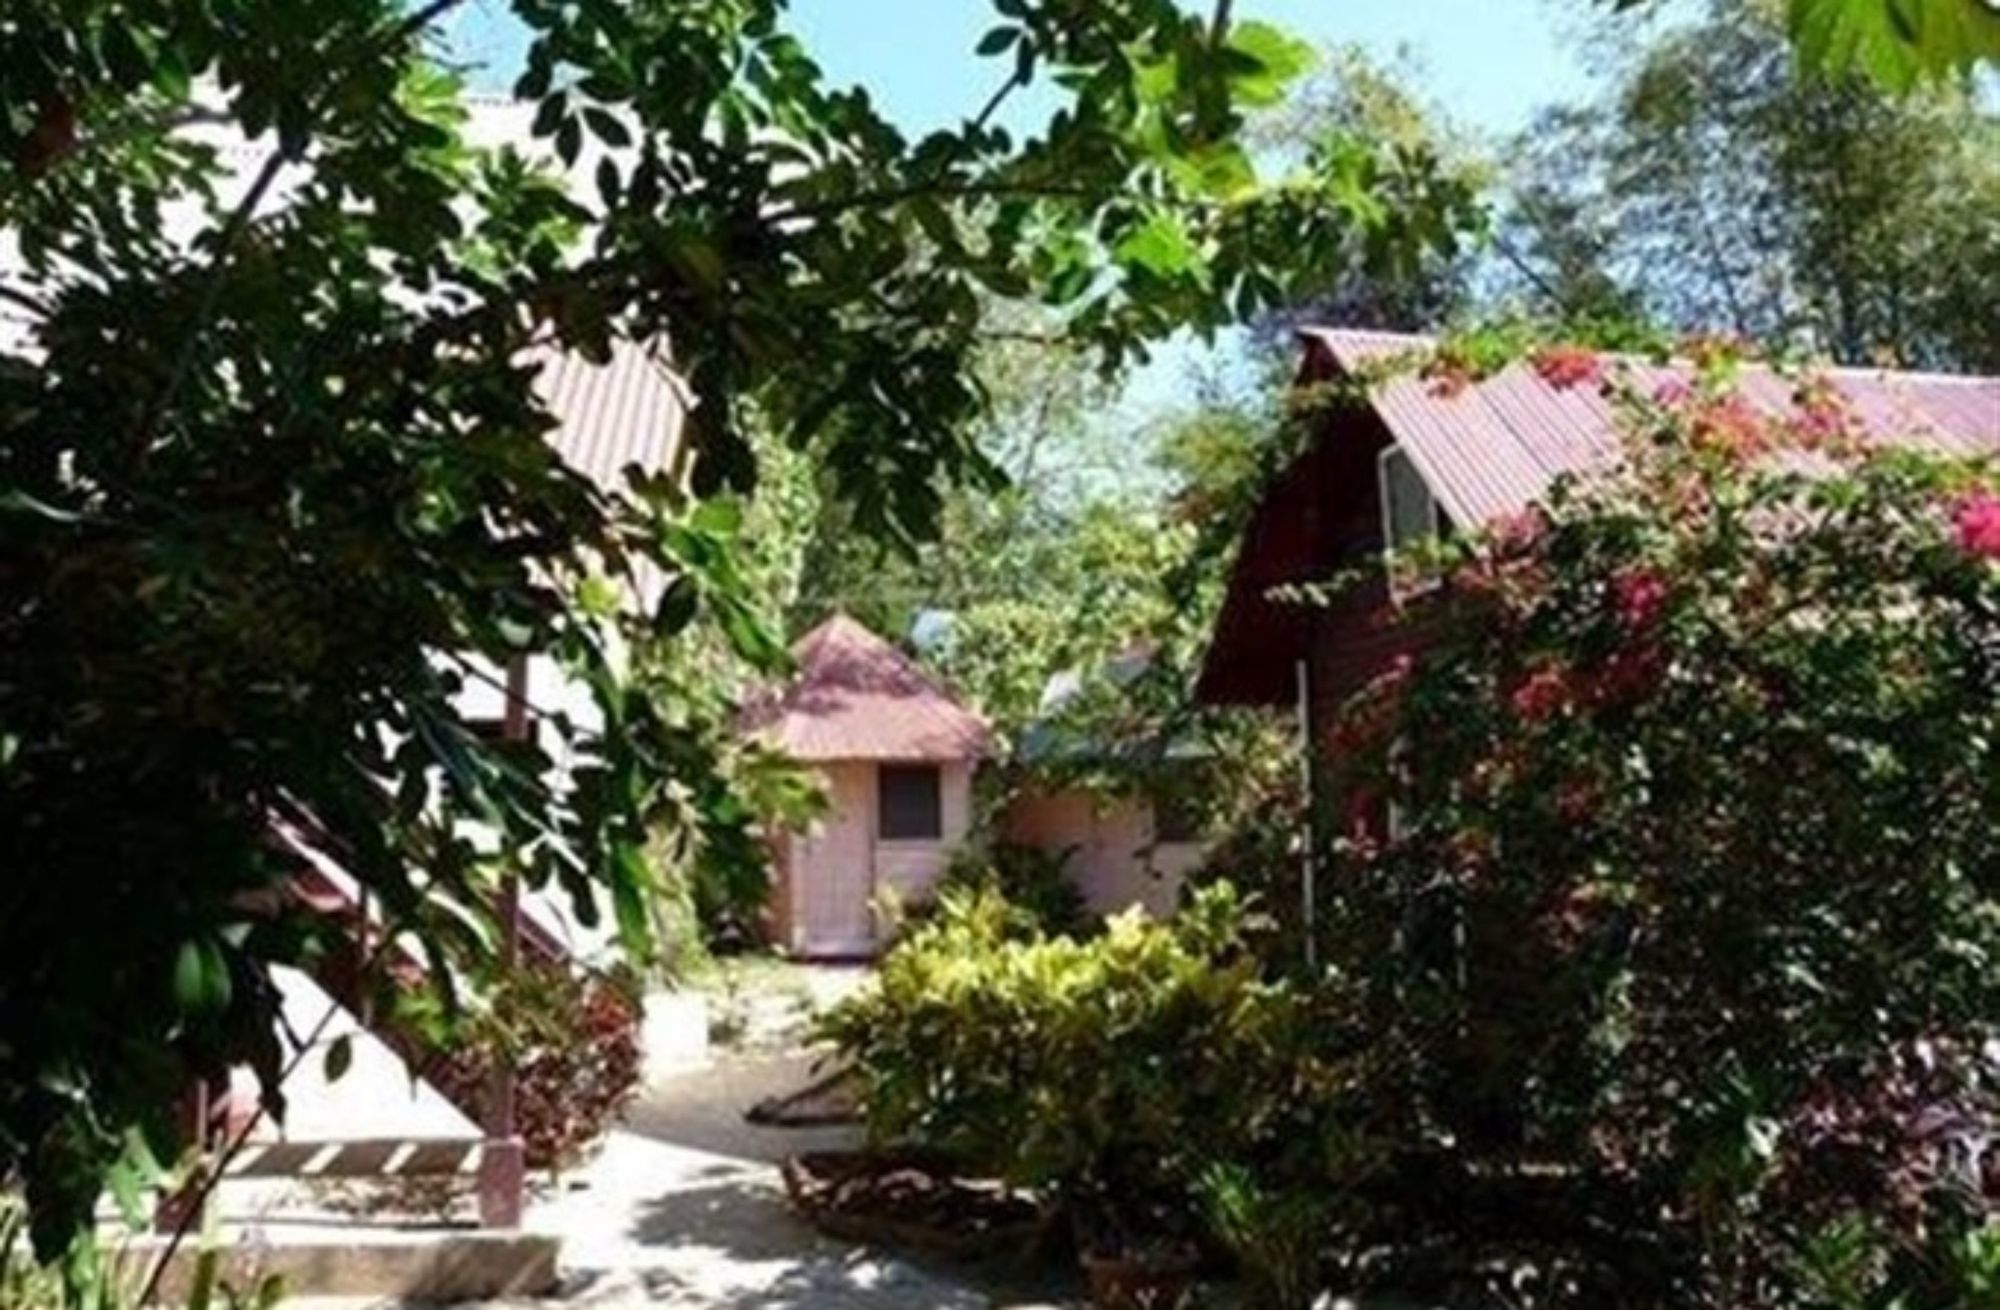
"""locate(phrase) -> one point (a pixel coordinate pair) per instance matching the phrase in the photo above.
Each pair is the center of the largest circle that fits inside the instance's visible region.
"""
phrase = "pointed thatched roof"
(856, 697)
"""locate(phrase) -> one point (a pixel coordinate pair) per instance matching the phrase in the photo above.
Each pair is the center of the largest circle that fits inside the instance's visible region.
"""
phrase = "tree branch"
(1015, 81)
(1218, 27)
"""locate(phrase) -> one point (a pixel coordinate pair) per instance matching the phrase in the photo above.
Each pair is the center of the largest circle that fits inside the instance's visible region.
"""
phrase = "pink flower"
(1576, 799)
(1639, 595)
(1567, 366)
(1541, 695)
(1824, 416)
(1519, 533)
(1978, 521)
(1732, 426)
(1672, 394)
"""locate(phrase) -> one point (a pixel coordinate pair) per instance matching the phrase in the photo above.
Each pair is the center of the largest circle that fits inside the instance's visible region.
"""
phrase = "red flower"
(1824, 416)
(1567, 366)
(1640, 596)
(1628, 675)
(1541, 695)
(1732, 426)
(1978, 522)
(1371, 716)
(1517, 534)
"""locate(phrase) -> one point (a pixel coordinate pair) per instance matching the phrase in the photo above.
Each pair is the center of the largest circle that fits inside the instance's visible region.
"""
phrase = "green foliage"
(1280, 1236)
(1694, 889)
(273, 483)
(1106, 1074)
(85, 1282)
(1351, 93)
(1034, 883)
(1894, 43)
(571, 1036)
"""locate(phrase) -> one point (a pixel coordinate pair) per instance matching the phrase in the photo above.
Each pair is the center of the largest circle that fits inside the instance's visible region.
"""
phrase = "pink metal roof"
(613, 415)
(628, 411)
(856, 697)
(1495, 447)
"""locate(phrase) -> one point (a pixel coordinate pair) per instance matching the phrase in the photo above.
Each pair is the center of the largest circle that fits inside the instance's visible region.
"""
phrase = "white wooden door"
(834, 913)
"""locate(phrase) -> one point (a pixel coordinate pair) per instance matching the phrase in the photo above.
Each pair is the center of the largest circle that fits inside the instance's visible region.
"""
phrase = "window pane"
(910, 798)
(1409, 512)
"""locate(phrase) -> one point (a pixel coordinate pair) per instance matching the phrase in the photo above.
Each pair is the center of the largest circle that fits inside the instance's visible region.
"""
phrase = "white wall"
(1114, 859)
(846, 864)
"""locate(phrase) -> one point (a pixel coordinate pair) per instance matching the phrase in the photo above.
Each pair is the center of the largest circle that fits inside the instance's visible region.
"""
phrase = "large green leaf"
(1896, 42)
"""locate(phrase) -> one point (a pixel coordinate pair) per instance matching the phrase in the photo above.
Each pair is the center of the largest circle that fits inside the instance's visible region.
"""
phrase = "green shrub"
(1035, 884)
(1108, 1075)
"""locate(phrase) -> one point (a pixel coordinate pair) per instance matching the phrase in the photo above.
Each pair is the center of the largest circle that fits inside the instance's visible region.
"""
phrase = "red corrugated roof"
(856, 697)
(1495, 446)
(1492, 448)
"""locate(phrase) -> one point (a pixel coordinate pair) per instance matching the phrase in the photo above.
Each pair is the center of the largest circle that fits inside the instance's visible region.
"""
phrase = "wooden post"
(503, 1165)
(1315, 829)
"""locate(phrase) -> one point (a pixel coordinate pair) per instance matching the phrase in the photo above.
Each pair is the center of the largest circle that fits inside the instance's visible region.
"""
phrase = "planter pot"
(1140, 1281)
(910, 1200)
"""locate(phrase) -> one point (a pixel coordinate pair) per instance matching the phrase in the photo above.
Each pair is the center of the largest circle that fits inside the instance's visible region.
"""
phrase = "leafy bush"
(1690, 913)
(572, 1039)
(1106, 1074)
(1034, 883)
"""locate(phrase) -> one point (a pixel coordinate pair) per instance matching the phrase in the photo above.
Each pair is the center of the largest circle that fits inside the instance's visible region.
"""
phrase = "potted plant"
(1136, 1255)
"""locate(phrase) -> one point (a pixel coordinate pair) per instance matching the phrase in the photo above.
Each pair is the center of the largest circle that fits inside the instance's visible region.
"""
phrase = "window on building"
(910, 798)
(1409, 511)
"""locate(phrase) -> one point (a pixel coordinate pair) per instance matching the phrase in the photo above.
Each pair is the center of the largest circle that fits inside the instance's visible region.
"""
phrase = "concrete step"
(365, 1264)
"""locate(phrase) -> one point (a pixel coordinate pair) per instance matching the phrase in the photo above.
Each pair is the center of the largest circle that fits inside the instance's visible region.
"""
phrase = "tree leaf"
(1160, 245)
(1277, 59)
(998, 40)
(201, 978)
(1896, 43)
(339, 1057)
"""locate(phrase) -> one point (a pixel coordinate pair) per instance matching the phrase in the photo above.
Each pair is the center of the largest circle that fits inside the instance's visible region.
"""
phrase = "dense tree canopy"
(1720, 187)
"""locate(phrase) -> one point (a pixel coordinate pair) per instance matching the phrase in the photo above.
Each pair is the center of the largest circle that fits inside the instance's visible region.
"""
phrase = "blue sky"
(1488, 63)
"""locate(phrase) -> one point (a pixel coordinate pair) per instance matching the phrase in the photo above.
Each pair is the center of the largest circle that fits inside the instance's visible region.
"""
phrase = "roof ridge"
(1842, 370)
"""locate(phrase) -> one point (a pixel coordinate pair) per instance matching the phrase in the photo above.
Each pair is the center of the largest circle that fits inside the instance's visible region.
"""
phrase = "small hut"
(896, 754)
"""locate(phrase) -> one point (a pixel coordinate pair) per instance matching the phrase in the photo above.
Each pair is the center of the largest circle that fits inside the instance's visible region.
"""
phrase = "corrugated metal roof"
(1495, 446)
(856, 697)
(611, 416)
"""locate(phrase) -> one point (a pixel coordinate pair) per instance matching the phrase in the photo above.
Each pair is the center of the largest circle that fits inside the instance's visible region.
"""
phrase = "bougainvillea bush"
(1689, 913)
(572, 1037)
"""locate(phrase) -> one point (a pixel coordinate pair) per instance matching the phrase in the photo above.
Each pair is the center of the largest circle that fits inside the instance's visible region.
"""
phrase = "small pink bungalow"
(896, 754)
